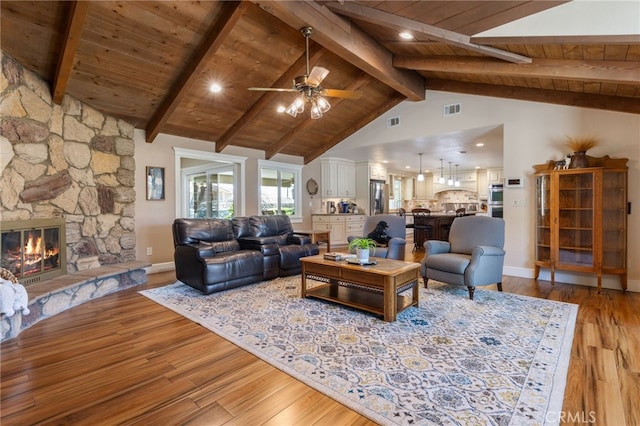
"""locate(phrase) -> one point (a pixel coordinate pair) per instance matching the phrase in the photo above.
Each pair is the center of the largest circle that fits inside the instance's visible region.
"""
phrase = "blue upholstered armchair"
(473, 256)
(397, 231)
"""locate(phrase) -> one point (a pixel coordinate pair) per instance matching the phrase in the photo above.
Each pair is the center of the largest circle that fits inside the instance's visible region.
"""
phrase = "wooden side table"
(317, 236)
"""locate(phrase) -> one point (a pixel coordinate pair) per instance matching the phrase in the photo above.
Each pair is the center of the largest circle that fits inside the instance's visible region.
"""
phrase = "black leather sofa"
(219, 254)
(208, 256)
(273, 235)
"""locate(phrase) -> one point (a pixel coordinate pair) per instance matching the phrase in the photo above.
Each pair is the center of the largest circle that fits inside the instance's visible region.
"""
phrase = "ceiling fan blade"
(335, 93)
(317, 75)
(272, 89)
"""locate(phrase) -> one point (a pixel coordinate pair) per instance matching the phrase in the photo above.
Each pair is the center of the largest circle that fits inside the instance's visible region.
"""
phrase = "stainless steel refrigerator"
(378, 197)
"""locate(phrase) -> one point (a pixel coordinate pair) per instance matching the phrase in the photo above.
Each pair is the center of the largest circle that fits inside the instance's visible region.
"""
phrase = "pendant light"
(441, 178)
(457, 182)
(420, 175)
(450, 181)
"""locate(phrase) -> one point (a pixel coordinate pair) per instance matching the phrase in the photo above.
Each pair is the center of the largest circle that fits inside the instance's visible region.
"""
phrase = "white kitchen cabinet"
(409, 188)
(495, 176)
(483, 185)
(428, 188)
(354, 225)
(421, 188)
(377, 172)
(341, 226)
(468, 176)
(338, 178)
(346, 175)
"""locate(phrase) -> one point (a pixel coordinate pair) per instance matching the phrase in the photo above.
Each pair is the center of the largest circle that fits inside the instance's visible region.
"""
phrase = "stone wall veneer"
(67, 161)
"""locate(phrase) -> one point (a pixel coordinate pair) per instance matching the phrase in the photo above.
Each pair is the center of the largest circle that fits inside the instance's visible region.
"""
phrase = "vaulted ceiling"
(151, 63)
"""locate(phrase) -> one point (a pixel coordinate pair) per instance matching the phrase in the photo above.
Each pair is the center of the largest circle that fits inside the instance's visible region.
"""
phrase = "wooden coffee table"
(371, 288)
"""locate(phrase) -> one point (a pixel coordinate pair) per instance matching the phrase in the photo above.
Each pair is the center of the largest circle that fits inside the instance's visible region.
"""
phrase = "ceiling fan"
(308, 86)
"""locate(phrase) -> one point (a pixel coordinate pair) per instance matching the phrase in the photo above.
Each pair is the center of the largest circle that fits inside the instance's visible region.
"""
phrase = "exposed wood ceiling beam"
(400, 23)
(68, 54)
(585, 100)
(390, 103)
(618, 72)
(232, 12)
(298, 68)
(578, 40)
(303, 126)
(349, 42)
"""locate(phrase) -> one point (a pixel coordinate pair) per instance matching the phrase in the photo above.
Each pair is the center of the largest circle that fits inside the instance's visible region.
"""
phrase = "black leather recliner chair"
(209, 258)
(274, 236)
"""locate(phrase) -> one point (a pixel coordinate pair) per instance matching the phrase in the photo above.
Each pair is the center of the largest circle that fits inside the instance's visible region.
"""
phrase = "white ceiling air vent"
(393, 122)
(452, 109)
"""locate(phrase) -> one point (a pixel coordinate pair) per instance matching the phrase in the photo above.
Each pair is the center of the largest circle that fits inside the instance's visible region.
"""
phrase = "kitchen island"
(435, 226)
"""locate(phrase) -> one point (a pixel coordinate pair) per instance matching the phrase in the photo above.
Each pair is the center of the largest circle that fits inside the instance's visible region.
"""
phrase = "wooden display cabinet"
(581, 219)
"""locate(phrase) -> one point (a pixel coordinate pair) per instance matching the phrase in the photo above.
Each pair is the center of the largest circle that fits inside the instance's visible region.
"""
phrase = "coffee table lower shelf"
(364, 300)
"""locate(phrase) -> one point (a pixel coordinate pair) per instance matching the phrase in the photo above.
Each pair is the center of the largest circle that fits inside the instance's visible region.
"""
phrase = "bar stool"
(422, 229)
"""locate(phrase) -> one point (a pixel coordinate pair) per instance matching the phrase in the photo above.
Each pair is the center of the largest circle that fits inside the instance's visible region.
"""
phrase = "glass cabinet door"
(614, 216)
(576, 219)
(543, 218)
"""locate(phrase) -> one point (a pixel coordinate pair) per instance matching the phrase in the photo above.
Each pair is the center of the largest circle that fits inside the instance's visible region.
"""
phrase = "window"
(209, 185)
(211, 193)
(280, 191)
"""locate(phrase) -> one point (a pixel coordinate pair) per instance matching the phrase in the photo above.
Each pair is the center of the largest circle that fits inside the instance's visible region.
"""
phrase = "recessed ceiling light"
(281, 108)
(477, 167)
(479, 144)
(407, 167)
(405, 35)
(215, 88)
(385, 161)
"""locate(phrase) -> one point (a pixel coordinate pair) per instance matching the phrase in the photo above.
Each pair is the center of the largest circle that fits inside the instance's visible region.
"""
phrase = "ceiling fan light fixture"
(316, 112)
(323, 104)
(296, 107)
(308, 85)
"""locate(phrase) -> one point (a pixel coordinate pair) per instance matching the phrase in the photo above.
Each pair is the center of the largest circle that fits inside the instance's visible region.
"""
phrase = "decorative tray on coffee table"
(356, 261)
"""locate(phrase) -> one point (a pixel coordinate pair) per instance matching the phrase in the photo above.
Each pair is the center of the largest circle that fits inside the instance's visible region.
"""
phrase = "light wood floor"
(123, 359)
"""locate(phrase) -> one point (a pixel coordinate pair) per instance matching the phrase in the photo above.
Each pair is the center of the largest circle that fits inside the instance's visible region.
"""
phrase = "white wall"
(533, 134)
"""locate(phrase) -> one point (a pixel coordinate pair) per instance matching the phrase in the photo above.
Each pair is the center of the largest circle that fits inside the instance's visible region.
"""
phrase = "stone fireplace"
(33, 250)
(67, 174)
(67, 163)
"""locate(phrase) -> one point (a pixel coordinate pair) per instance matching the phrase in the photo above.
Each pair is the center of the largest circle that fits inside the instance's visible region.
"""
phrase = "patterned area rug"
(499, 359)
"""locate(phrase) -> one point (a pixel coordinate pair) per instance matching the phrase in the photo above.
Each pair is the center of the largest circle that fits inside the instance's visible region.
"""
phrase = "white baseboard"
(160, 267)
(608, 281)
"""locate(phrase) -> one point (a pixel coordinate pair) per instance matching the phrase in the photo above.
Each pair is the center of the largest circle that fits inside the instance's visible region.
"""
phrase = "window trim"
(238, 161)
(296, 169)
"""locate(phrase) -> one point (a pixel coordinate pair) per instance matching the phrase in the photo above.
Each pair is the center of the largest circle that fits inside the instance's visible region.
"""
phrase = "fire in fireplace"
(33, 250)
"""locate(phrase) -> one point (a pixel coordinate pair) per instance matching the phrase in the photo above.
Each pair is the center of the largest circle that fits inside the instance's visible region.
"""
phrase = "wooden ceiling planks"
(131, 56)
